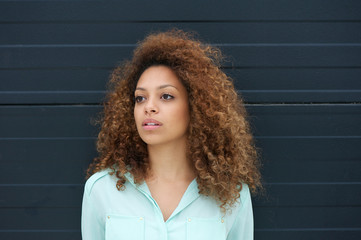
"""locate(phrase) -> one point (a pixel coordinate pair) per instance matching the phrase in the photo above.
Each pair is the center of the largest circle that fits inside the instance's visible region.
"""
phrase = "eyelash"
(165, 96)
(138, 99)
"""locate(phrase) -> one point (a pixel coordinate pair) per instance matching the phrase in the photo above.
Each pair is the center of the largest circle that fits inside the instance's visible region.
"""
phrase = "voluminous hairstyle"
(220, 145)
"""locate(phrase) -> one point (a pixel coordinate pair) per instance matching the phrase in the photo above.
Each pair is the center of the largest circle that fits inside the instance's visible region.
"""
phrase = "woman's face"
(161, 109)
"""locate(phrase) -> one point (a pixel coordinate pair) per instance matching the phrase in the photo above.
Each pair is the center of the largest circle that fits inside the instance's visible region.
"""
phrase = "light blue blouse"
(133, 214)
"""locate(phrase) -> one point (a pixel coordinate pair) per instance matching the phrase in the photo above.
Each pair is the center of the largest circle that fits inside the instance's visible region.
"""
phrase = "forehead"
(158, 75)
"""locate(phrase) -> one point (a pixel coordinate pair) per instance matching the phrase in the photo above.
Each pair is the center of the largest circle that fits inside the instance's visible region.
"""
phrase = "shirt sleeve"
(243, 228)
(92, 227)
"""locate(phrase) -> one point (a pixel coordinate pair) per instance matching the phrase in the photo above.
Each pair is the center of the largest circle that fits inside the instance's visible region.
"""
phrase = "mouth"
(151, 124)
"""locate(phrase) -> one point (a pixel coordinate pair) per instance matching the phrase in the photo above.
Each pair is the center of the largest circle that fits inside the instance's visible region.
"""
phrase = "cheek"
(182, 115)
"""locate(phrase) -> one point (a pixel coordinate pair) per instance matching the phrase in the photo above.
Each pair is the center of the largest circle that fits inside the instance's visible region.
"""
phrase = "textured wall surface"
(297, 64)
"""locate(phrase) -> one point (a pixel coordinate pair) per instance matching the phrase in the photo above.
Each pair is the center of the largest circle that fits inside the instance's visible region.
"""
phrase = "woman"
(176, 155)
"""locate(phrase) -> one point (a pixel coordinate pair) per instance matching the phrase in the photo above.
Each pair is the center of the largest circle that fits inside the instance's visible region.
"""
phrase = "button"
(222, 221)
(140, 218)
(189, 219)
(108, 217)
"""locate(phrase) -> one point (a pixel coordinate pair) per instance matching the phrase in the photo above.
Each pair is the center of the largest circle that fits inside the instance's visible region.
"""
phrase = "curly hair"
(219, 142)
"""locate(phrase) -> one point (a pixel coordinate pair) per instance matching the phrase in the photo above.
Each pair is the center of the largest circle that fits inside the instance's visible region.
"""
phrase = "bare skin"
(161, 98)
(170, 177)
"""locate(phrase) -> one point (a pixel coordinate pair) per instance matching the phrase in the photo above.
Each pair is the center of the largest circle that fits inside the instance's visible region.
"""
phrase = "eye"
(139, 99)
(167, 96)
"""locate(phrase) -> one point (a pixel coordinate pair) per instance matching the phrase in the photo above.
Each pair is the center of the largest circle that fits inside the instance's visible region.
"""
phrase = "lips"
(151, 124)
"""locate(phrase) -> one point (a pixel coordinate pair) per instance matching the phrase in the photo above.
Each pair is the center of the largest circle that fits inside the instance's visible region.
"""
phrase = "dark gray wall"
(296, 63)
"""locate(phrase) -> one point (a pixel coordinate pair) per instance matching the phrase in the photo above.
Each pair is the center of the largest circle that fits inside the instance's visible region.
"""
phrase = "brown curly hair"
(219, 145)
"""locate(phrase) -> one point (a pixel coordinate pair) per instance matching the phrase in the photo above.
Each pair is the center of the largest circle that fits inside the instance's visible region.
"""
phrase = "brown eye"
(167, 96)
(139, 99)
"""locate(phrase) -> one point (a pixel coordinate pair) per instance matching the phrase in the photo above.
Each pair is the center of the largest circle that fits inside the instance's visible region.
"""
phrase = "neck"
(169, 163)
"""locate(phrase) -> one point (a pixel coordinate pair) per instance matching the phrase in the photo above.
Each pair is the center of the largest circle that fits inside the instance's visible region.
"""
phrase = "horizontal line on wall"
(256, 229)
(246, 103)
(95, 138)
(59, 104)
(41, 185)
(56, 68)
(239, 91)
(289, 67)
(45, 138)
(66, 45)
(30, 105)
(300, 91)
(304, 229)
(180, 21)
(256, 206)
(56, 91)
(261, 206)
(257, 137)
(260, 104)
(306, 137)
(216, 45)
(285, 44)
(224, 67)
(37, 230)
(305, 104)
(313, 183)
(81, 185)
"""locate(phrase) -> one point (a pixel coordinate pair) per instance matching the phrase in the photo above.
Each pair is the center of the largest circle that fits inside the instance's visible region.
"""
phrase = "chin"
(151, 140)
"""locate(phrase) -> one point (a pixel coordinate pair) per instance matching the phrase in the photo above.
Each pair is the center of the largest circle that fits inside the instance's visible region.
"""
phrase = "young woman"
(177, 158)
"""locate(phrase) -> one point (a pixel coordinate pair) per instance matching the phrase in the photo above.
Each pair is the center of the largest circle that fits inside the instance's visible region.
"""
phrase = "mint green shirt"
(133, 214)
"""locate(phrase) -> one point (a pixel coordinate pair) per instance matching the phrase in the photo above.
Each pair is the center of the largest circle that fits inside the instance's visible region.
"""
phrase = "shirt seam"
(89, 185)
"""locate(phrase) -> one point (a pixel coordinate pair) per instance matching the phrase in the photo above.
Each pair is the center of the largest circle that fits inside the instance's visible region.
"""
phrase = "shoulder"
(245, 195)
(245, 192)
(243, 199)
(96, 179)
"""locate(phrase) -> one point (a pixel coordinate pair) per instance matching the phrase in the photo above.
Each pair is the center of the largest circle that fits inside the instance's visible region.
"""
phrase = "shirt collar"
(143, 186)
(190, 195)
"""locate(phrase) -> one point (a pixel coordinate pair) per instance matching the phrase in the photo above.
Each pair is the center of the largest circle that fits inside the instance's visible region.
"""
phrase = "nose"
(150, 107)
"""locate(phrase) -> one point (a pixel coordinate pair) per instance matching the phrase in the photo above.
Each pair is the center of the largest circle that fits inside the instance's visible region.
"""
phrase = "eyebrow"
(160, 87)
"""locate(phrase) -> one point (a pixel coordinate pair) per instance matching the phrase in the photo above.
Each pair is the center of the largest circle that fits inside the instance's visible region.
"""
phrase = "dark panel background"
(297, 65)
